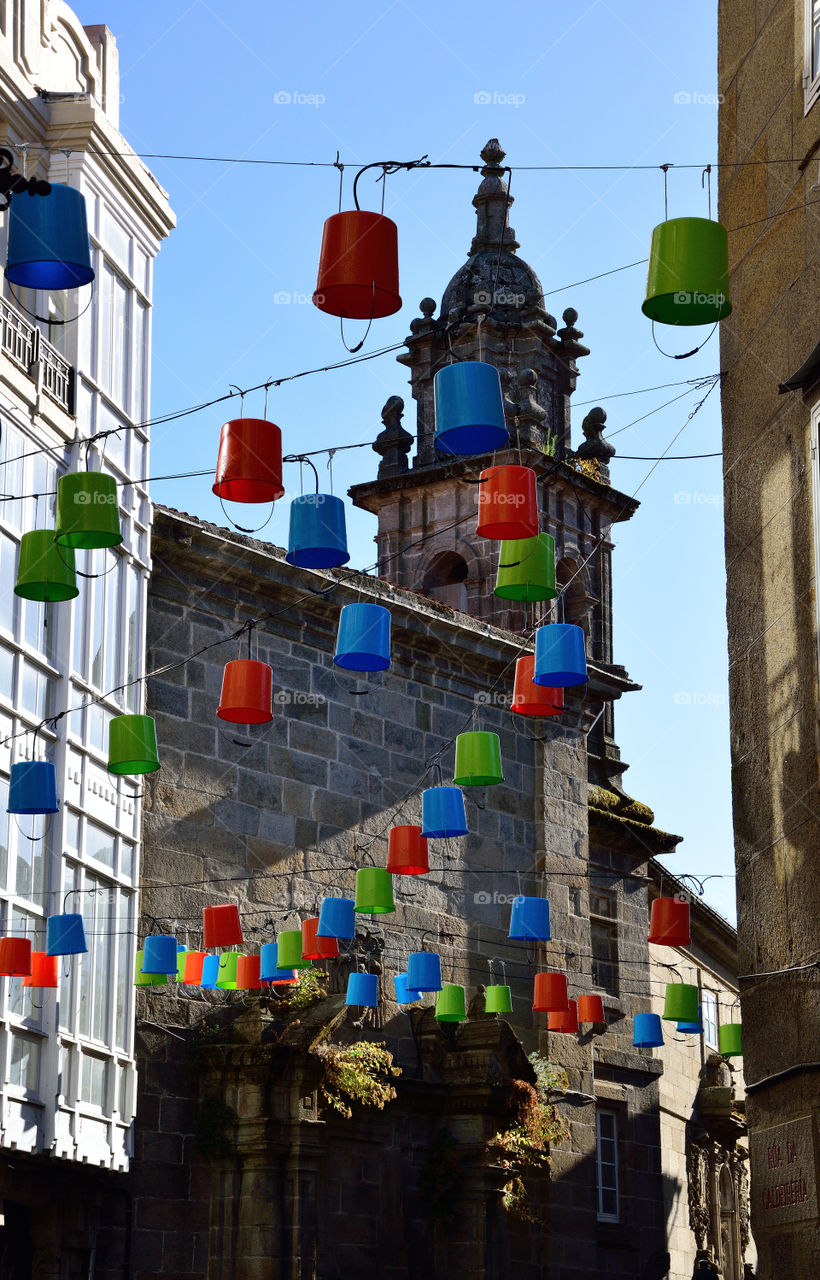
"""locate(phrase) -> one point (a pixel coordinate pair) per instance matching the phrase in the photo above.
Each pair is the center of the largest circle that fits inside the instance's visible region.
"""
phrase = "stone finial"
(427, 306)
(594, 445)
(570, 338)
(393, 443)
(492, 203)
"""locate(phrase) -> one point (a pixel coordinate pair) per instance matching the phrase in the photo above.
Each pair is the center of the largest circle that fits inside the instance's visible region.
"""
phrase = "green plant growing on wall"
(361, 1073)
(310, 989)
(524, 1145)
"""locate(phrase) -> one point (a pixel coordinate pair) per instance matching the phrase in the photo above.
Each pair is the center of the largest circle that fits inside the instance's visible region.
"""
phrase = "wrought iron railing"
(25, 346)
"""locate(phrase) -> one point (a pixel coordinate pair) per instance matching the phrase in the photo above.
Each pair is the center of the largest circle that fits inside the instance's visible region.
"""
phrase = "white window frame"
(613, 1116)
(811, 74)
(709, 1004)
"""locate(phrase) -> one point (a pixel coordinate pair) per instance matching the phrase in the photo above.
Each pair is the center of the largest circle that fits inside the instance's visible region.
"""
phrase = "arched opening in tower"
(446, 579)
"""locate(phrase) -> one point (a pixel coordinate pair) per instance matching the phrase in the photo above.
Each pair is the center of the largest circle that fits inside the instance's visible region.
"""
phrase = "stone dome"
(494, 279)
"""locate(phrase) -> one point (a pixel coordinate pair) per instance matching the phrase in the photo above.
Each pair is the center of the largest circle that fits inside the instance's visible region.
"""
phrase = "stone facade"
(271, 1184)
(769, 114)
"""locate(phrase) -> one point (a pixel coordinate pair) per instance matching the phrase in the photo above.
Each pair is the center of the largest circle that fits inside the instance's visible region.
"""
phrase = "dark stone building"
(241, 1169)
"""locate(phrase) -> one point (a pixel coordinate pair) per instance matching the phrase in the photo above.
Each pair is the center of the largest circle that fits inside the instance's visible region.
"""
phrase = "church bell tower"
(493, 310)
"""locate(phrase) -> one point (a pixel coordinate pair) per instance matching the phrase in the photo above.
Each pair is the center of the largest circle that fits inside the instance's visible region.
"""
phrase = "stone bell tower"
(493, 310)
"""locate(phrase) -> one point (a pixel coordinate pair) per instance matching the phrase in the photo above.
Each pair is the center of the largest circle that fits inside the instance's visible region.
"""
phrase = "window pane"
(36, 691)
(604, 940)
(99, 844)
(8, 577)
(4, 831)
(710, 1018)
(93, 1080)
(607, 1165)
(6, 673)
(132, 639)
(25, 1062)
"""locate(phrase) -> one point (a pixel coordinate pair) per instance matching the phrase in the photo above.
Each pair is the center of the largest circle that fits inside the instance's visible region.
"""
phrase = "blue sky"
(598, 84)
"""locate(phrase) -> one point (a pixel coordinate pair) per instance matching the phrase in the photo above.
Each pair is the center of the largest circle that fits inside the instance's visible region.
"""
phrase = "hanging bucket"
(148, 979)
(478, 759)
(498, 999)
(43, 971)
(337, 918)
(44, 570)
(358, 266)
(363, 990)
(317, 538)
(681, 1003)
(531, 699)
(669, 922)
(507, 503)
(248, 973)
(443, 813)
(424, 971)
(181, 954)
(132, 745)
(48, 241)
(469, 409)
(591, 1009)
(249, 463)
(315, 948)
(374, 891)
(226, 973)
(210, 972)
(692, 1028)
(247, 692)
(65, 935)
(88, 513)
(289, 950)
(560, 655)
(530, 920)
(564, 1019)
(160, 954)
(221, 926)
(192, 969)
(550, 993)
(688, 281)
(526, 569)
(404, 994)
(33, 787)
(407, 852)
(363, 640)
(646, 1031)
(730, 1040)
(451, 1004)
(269, 970)
(15, 957)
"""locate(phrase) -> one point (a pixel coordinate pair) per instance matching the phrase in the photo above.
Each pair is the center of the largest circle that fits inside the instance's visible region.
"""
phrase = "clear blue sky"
(621, 83)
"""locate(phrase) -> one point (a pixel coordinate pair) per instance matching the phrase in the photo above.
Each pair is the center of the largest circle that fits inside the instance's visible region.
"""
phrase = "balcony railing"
(25, 346)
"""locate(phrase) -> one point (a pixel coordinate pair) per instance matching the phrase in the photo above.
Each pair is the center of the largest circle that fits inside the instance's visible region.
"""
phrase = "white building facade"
(67, 1069)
